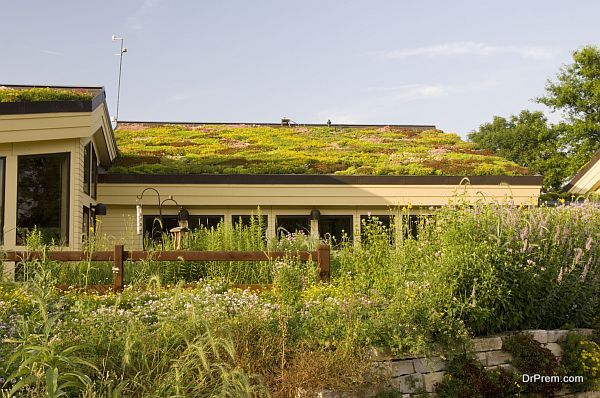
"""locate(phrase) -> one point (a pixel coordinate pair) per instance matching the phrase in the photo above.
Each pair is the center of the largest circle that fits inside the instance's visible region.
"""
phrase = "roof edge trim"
(315, 179)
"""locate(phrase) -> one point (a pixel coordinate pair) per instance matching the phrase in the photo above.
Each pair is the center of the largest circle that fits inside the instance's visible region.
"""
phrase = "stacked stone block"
(418, 376)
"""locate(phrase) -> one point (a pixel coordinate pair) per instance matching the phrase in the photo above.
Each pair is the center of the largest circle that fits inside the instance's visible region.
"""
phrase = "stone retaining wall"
(412, 376)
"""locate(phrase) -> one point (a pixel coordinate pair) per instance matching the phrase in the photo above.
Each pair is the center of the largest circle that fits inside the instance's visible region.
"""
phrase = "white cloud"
(409, 92)
(50, 52)
(471, 48)
(381, 102)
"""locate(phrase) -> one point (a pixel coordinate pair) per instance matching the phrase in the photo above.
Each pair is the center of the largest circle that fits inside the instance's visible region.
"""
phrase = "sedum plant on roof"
(35, 94)
(259, 149)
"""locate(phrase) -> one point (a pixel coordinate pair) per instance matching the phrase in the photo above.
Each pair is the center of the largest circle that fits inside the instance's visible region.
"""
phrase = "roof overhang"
(49, 120)
(315, 179)
(587, 179)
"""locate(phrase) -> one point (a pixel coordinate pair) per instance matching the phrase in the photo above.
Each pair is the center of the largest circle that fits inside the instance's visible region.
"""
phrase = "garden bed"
(471, 272)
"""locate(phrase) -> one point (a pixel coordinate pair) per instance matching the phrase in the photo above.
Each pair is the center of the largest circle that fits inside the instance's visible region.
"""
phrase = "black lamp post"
(182, 217)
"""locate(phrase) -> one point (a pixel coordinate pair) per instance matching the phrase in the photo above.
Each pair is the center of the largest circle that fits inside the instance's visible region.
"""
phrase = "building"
(587, 180)
(60, 158)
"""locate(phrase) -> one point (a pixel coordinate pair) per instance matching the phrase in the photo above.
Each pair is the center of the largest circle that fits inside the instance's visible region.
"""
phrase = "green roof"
(270, 149)
(36, 94)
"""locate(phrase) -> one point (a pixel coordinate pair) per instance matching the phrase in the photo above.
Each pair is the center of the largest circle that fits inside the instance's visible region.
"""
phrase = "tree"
(576, 93)
(528, 140)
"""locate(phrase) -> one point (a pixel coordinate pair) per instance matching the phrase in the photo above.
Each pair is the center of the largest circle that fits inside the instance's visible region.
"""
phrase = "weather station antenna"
(120, 54)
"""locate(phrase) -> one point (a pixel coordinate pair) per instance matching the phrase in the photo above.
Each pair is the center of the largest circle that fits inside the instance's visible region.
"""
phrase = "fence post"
(118, 269)
(323, 261)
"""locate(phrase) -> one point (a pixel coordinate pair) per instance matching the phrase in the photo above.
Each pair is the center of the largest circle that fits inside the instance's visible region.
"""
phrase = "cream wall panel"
(320, 195)
(119, 227)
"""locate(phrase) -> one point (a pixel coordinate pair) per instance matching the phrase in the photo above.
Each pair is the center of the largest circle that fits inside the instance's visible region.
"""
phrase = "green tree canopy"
(526, 139)
(576, 93)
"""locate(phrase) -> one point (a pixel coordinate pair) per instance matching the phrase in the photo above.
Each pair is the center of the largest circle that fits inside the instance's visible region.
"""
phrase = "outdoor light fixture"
(183, 215)
(315, 214)
(99, 209)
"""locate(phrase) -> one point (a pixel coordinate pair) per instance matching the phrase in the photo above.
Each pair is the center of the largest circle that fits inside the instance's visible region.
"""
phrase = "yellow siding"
(320, 195)
(32, 134)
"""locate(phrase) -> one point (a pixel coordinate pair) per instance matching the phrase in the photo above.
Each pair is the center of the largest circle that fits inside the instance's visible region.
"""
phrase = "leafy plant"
(43, 362)
(467, 378)
(530, 358)
(581, 357)
(241, 149)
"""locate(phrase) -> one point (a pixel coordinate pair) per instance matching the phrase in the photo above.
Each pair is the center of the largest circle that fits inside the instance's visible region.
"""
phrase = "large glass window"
(335, 228)
(2, 167)
(207, 222)
(94, 173)
(90, 170)
(85, 225)
(87, 162)
(43, 197)
(153, 230)
(292, 224)
(372, 225)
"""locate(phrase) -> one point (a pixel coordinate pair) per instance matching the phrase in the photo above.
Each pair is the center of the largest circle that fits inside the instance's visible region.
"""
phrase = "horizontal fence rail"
(120, 255)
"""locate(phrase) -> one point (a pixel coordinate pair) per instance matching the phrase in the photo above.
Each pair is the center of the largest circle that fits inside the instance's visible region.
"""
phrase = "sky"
(454, 64)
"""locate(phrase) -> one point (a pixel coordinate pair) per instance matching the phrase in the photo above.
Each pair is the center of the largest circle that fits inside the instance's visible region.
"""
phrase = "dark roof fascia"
(20, 108)
(582, 171)
(313, 179)
(401, 126)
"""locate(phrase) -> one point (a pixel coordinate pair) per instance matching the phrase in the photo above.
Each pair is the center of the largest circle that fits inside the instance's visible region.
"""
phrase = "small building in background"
(587, 180)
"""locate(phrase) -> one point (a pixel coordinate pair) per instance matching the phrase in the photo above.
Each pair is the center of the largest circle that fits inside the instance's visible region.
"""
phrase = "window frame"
(67, 215)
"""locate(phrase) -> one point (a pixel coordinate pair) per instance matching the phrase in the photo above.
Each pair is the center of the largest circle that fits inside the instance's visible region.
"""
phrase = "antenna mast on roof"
(120, 54)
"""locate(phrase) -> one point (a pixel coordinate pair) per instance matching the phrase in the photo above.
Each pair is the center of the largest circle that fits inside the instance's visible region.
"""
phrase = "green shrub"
(467, 378)
(530, 358)
(581, 357)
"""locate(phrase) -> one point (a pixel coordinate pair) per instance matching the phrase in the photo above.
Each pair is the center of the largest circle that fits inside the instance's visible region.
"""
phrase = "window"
(413, 224)
(43, 197)
(335, 228)
(87, 161)
(152, 226)
(292, 224)
(153, 230)
(2, 173)
(90, 170)
(247, 221)
(94, 173)
(207, 222)
(85, 228)
(370, 225)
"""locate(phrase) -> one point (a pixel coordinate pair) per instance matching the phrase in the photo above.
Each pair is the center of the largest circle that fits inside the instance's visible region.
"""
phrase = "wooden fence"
(120, 255)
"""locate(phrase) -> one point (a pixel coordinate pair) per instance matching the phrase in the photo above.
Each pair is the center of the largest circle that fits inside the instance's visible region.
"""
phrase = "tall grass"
(469, 270)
